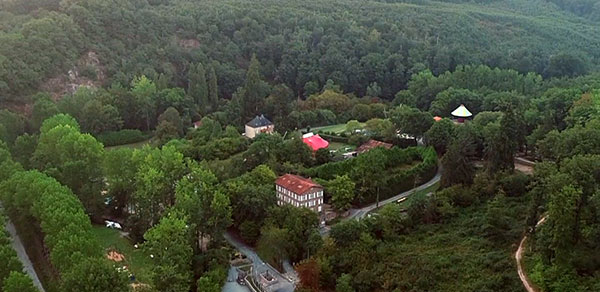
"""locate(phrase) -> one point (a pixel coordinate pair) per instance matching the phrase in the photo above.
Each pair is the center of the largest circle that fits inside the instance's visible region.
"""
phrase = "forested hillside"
(133, 111)
(356, 44)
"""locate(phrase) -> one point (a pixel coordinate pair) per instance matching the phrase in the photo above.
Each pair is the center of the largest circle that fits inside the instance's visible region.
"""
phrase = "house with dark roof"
(299, 192)
(259, 125)
(372, 144)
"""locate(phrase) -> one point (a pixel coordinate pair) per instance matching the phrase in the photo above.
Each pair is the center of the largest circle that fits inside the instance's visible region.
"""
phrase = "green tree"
(74, 159)
(254, 92)
(94, 275)
(207, 209)
(341, 189)
(448, 100)
(323, 156)
(13, 124)
(411, 121)
(24, 148)
(374, 89)
(273, 244)
(501, 142)
(97, 117)
(212, 281)
(169, 244)
(367, 175)
(565, 65)
(562, 215)
(58, 120)
(155, 179)
(144, 92)
(43, 108)
(344, 284)
(213, 90)
(18, 282)
(440, 135)
(197, 86)
(457, 167)
(172, 116)
(165, 132)
(352, 126)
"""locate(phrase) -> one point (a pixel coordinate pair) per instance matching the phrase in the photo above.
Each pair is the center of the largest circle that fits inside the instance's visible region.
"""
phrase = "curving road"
(519, 258)
(286, 282)
(362, 212)
(22, 254)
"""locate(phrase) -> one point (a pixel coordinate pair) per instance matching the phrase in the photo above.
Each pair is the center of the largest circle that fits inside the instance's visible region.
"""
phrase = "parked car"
(113, 225)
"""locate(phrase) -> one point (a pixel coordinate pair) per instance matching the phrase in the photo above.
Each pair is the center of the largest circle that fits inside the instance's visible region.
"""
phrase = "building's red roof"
(315, 142)
(296, 184)
(372, 144)
(437, 118)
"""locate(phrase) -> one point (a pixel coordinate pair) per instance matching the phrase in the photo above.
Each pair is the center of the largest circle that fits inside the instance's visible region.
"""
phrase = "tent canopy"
(462, 112)
(315, 142)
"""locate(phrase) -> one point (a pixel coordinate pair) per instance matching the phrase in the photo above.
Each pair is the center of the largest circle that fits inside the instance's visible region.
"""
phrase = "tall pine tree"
(213, 90)
(253, 90)
(197, 87)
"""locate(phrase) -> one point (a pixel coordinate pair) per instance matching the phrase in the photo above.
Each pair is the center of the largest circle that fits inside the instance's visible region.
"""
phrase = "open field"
(337, 128)
(136, 260)
(132, 145)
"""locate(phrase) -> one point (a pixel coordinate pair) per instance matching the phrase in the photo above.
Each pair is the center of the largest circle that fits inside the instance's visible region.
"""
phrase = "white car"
(112, 224)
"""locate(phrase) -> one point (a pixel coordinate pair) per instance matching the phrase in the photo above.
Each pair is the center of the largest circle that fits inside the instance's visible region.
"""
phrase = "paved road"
(20, 249)
(362, 212)
(283, 284)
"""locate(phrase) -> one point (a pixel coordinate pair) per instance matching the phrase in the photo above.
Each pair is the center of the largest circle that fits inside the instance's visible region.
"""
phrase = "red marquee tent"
(315, 142)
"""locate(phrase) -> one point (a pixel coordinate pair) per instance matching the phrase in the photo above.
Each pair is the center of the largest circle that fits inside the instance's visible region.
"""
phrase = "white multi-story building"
(299, 192)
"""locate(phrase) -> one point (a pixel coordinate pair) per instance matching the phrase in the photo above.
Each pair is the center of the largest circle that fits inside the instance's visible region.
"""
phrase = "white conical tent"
(462, 112)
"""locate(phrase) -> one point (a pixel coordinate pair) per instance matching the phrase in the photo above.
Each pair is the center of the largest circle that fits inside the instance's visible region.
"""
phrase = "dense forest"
(301, 44)
(134, 110)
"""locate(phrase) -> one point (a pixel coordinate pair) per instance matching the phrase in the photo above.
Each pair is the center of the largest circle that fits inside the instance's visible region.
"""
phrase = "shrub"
(122, 137)
(515, 185)
(459, 195)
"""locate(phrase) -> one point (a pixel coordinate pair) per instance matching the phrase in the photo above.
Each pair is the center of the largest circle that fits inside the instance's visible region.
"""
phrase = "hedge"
(9, 261)
(333, 138)
(122, 137)
(396, 180)
(34, 196)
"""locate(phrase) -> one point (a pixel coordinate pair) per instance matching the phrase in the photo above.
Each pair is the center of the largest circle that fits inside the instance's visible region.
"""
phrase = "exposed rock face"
(189, 43)
(87, 72)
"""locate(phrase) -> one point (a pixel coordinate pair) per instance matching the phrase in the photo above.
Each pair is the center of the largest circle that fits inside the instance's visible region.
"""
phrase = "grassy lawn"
(132, 145)
(338, 128)
(136, 260)
(337, 146)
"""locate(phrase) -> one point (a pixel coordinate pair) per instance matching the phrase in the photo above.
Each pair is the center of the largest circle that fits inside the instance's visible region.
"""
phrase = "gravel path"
(20, 249)
(519, 258)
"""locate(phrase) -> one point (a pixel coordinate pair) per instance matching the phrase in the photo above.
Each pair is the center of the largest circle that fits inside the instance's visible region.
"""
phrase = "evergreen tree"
(253, 93)
(501, 142)
(457, 167)
(213, 89)
(197, 86)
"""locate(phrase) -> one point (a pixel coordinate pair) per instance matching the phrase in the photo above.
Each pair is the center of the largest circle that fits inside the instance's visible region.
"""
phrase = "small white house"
(259, 125)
